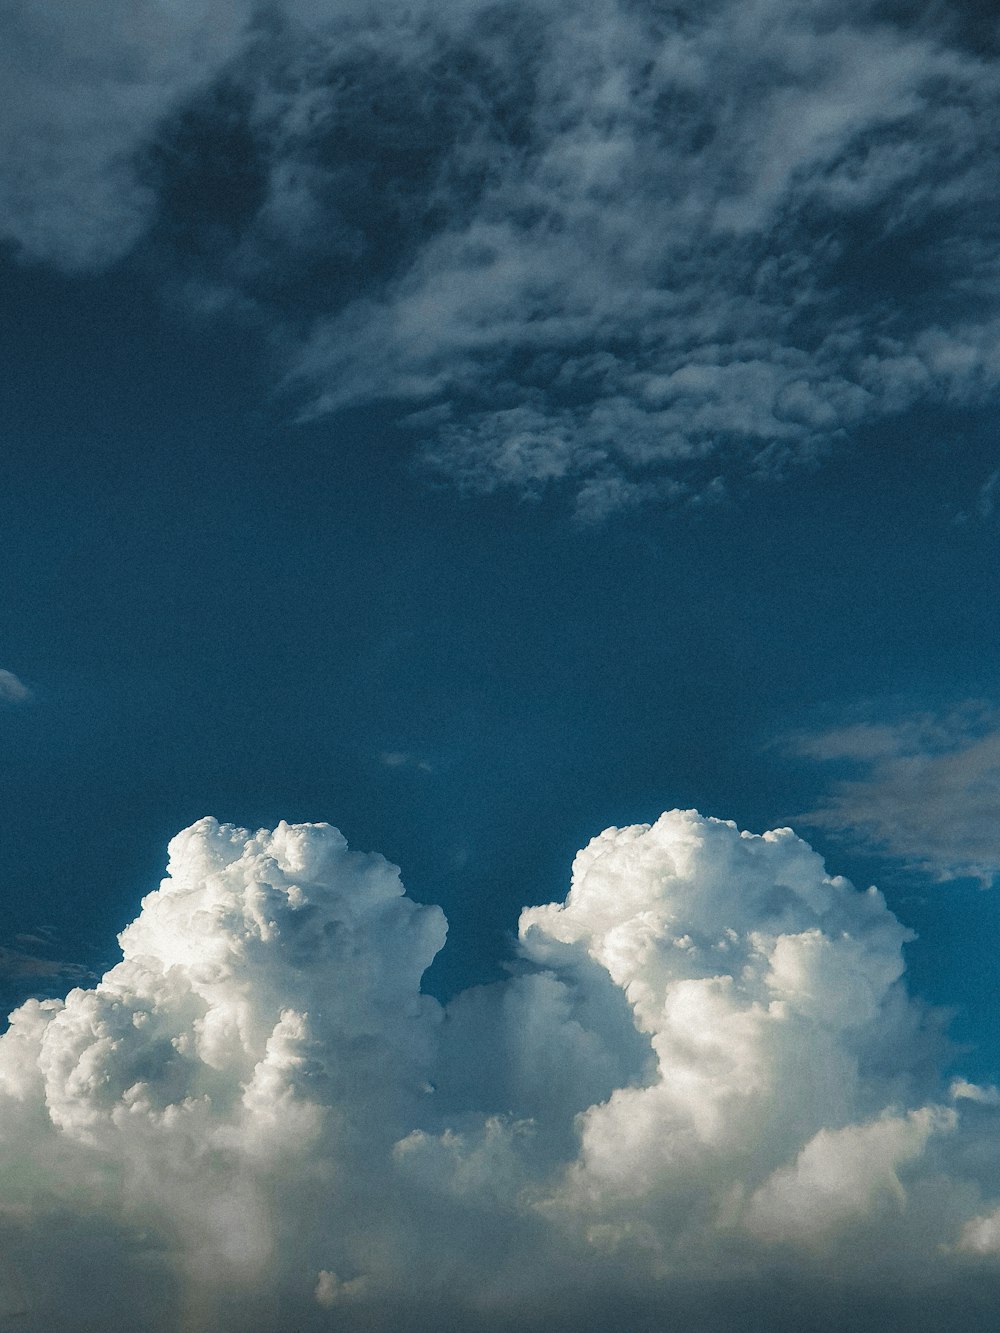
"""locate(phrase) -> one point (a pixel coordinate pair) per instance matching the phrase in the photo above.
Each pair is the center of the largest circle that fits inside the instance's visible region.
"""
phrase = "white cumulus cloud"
(703, 1093)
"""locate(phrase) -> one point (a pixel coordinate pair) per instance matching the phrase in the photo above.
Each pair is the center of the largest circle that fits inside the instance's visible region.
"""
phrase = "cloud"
(12, 690)
(703, 1093)
(659, 282)
(404, 759)
(928, 790)
(264, 1021)
(633, 253)
(763, 986)
(87, 87)
(986, 500)
(840, 1173)
(15, 965)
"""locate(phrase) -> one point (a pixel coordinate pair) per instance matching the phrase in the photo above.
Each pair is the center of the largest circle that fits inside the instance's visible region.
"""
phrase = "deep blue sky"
(697, 314)
(221, 611)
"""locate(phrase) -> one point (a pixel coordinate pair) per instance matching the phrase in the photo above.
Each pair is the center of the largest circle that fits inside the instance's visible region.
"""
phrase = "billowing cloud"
(924, 789)
(637, 252)
(13, 690)
(703, 1093)
(265, 1022)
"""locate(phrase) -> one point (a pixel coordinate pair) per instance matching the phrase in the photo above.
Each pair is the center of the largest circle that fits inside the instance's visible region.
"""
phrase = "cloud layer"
(703, 1093)
(633, 250)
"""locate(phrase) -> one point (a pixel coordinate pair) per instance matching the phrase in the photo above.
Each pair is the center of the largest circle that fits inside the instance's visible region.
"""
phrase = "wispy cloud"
(925, 789)
(986, 502)
(85, 92)
(17, 965)
(13, 690)
(634, 252)
(695, 255)
(24, 973)
(404, 759)
(989, 495)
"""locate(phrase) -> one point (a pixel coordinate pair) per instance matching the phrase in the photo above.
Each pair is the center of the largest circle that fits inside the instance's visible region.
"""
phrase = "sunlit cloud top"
(704, 1070)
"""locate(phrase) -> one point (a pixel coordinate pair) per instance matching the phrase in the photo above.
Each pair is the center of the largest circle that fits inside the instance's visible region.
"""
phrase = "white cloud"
(961, 1089)
(841, 1173)
(763, 986)
(981, 1235)
(928, 789)
(330, 1291)
(706, 1070)
(12, 690)
(265, 1016)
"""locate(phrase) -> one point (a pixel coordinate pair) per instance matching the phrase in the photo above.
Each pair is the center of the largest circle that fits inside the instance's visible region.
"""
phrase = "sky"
(550, 450)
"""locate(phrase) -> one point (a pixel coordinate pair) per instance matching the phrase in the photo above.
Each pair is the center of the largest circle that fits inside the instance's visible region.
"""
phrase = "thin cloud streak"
(927, 793)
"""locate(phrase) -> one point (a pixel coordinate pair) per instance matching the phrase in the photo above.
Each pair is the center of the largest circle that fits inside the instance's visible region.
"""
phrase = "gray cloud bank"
(703, 1097)
(924, 789)
(633, 249)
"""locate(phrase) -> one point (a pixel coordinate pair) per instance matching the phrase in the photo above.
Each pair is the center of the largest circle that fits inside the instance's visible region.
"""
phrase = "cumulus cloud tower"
(768, 990)
(705, 1057)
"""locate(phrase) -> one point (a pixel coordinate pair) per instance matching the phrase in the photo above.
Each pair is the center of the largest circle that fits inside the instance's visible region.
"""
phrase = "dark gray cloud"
(85, 87)
(634, 251)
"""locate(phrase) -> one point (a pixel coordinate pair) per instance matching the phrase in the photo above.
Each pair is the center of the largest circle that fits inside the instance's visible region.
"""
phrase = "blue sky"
(477, 426)
(219, 609)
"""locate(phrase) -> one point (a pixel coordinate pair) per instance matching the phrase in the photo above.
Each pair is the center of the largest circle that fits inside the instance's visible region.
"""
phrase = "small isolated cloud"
(404, 759)
(926, 789)
(330, 1291)
(13, 690)
(986, 502)
(31, 969)
(703, 1097)
(962, 1089)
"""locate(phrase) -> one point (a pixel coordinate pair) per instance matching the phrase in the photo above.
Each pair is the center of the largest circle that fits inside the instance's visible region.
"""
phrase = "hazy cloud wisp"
(926, 789)
(13, 690)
